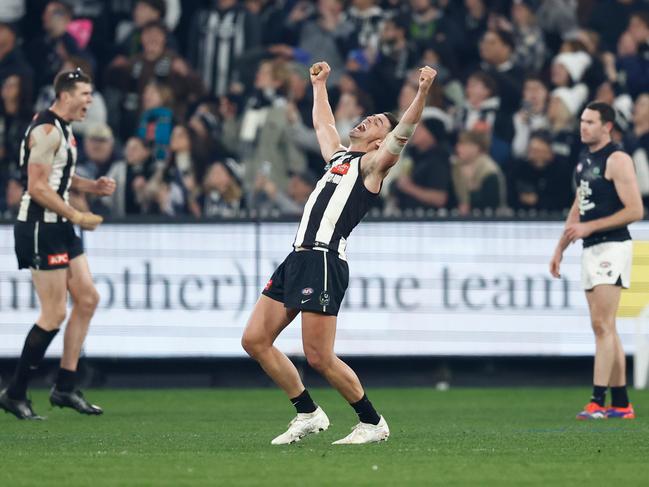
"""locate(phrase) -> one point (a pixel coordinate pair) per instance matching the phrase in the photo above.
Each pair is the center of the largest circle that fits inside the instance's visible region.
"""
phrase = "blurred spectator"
(474, 25)
(128, 33)
(638, 145)
(268, 199)
(539, 182)
(97, 112)
(12, 60)
(326, 37)
(531, 116)
(130, 175)
(174, 182)
(635, 67)
(430, 27)
(265, 143)
(530, 49)
(394, 59)
(15, 115)
(98, 151)
(426, 180)
(568, 68)
(13, 193)
(156, 121)
(481, 111)
(564, 110)
(497, 54)
(478, 182)
(217, 38)
(48, 52)
(222, 194)
(156, 62)
(367, 17)
(610, 18)
(557, 18)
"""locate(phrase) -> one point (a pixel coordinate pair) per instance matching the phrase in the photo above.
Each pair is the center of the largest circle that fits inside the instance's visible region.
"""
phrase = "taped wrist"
(397, 139)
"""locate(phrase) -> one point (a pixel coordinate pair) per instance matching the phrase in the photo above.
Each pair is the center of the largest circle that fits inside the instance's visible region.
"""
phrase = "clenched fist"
(86, 220)
(426, 77)
(319, 72)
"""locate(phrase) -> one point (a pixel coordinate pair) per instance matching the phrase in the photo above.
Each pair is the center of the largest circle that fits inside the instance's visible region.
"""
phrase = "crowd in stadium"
(203, 109)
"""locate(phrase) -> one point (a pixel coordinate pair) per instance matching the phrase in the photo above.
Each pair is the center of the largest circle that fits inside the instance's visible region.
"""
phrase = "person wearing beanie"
(562, 112)
(568, 68)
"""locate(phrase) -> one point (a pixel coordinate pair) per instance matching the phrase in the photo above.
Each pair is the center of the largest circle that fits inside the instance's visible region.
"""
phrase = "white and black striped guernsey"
(338, 203)
(63, 166)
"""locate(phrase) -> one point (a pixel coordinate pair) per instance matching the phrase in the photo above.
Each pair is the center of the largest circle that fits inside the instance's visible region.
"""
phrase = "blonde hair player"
(313, 279)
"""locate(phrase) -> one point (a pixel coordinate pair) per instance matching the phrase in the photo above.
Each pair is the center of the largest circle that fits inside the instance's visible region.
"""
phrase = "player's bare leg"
(84, 303)
(610, 360)
(51, 290)
(268, 319)
(318, 336)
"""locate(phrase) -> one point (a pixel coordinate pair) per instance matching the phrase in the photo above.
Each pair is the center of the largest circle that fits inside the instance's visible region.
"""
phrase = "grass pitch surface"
(222, 437)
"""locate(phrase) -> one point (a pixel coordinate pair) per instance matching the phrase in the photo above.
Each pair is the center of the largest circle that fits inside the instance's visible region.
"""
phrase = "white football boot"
(366, 433)
(302, 425)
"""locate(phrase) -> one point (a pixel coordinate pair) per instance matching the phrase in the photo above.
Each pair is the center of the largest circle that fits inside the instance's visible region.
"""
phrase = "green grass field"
(222, 437)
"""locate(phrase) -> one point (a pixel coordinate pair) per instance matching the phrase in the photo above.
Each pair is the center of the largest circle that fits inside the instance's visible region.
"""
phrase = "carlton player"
(608, 199)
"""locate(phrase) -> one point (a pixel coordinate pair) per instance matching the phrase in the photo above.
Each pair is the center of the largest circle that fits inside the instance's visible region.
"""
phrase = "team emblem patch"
(307, 291)
(324, 298)
(58, 259)
(341, 169)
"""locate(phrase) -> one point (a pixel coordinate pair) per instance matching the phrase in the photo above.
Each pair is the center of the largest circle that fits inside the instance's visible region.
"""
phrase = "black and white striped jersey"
(63, 166)
(338, 203)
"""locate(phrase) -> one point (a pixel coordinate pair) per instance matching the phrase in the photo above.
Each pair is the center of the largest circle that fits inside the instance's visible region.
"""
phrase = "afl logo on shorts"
(579, 167)
(324, 298)
(307, 291)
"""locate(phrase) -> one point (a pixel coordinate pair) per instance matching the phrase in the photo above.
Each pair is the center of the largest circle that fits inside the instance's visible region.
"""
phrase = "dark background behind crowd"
(203, 109)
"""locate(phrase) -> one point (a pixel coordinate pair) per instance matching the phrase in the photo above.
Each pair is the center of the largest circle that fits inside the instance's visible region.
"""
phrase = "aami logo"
(341, 169)
(58, 259)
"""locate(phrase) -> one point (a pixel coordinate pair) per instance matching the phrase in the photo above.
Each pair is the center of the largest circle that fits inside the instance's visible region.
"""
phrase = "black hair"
(506, 38)
(67, 81)
(392, 119)
(606, 111)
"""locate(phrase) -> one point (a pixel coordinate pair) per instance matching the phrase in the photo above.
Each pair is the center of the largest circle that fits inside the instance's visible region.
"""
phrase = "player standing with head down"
(314, 277)
(608, 199)
(47, 244)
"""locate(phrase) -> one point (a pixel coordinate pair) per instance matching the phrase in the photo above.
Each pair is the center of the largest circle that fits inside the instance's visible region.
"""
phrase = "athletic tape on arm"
(45, 140)
(398, 138)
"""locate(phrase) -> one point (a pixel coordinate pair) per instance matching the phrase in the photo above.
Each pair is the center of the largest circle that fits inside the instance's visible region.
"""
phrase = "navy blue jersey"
(597, 195)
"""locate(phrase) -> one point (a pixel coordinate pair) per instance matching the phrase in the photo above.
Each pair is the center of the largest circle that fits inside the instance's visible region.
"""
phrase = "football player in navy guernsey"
(46, 243)
(607, 200)
(314, 277)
